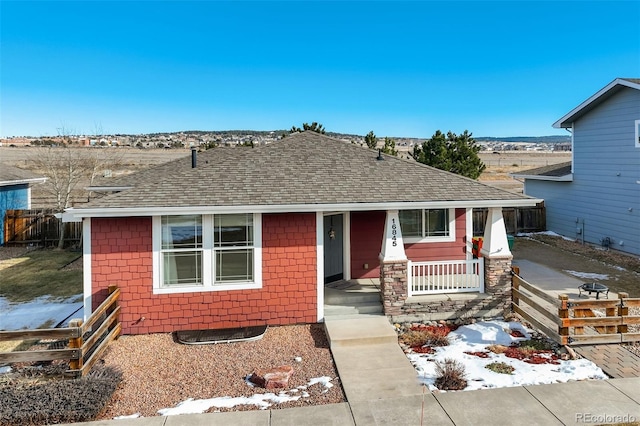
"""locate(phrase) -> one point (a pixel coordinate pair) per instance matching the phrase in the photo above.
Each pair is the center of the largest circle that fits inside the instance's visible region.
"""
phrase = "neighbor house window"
(428, 225)
(206, 252)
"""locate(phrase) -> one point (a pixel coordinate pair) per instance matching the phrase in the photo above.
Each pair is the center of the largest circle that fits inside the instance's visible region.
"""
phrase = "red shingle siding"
(367, 229)
(428, 252)
(122, 255)
(289, 273)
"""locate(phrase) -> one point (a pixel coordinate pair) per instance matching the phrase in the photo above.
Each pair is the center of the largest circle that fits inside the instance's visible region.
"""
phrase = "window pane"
(437, 222)
(410, 223)
(181, 232)
(234, 265)
(182, 268)
(233, 230)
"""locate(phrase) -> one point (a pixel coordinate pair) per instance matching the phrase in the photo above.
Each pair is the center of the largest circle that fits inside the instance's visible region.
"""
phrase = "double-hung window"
(233, 248)
(181, 250)
(206, 252)
(427, 225)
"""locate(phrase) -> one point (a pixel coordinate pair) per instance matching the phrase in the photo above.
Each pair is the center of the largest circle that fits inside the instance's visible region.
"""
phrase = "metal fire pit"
(596, 288)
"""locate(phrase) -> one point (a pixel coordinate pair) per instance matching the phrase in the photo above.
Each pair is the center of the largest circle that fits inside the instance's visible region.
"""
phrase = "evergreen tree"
(371, 140)
(453, 153)
(313, 127)
(390, 147)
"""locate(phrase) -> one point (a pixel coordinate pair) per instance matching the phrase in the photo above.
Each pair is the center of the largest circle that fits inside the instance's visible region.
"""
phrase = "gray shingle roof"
(10, 175)
(303, 168)
(554, 170)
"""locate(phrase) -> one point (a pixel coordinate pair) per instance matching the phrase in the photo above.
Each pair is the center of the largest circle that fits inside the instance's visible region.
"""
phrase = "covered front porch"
(446, 289)
(432, 290)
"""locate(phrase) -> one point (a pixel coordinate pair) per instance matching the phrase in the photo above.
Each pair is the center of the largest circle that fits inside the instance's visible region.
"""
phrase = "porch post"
(393, 267)
(497, 258)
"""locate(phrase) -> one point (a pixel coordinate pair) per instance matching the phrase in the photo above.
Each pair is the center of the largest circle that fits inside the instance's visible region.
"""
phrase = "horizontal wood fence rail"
(564, 320)
(86, 341)
(38, 227)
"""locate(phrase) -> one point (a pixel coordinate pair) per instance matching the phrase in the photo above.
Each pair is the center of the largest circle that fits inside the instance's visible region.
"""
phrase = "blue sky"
(405, 69)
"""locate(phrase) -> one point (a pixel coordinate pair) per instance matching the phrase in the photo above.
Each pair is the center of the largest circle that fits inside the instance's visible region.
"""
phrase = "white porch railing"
(453, 276)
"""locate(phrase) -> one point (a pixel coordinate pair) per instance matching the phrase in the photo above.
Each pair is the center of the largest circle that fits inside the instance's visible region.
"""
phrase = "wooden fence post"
(515, 283)
(76, 343)
(579, 313)
(563, 312)
(622, 312)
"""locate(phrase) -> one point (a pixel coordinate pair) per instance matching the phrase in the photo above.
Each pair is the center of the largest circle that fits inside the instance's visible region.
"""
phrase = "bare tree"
(99, 161)
(64, 169)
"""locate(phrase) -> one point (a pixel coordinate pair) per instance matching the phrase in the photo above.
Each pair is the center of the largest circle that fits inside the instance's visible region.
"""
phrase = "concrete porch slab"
(369, 330)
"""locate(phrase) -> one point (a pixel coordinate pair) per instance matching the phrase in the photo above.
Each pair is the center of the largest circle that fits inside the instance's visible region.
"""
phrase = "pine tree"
(371, 140)
(453, 153)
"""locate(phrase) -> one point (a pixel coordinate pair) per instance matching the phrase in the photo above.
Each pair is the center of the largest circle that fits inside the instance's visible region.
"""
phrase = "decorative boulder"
(272, 378)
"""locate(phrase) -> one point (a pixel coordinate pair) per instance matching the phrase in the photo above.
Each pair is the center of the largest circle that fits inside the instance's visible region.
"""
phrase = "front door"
(333, 248)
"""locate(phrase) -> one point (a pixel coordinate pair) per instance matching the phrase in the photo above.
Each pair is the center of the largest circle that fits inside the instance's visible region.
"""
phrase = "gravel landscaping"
(159, 373)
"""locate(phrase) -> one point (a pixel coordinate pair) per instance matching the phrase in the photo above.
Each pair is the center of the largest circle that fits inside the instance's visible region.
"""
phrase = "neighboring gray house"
(15, 191)
(596, 197)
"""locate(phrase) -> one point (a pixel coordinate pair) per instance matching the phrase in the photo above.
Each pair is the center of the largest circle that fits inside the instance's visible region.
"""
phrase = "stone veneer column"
(393, 285)
(393, 267)
(497, 275)
(497, 258)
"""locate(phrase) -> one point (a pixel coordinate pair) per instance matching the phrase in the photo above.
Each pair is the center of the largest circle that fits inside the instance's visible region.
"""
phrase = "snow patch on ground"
(587, 275)
(37, 312)
(263, 401)
(550, 233)
(476, 337)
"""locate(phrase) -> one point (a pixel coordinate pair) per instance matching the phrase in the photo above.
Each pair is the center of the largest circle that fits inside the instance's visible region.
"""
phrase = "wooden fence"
(516, 219)
(575, 322)
(38, 227)
(85, 341)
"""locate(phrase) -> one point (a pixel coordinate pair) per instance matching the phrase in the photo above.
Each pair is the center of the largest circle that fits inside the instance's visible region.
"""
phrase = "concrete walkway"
(382, 388)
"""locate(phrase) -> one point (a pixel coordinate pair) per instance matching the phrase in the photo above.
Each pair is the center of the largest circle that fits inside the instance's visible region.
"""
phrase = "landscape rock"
(273, 378)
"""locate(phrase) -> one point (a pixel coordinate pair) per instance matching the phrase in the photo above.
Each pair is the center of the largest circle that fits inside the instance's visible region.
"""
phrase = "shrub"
(535, 345)
(414, 338)
(423, 335)
(451, 375)
(500, 367)
(42, 402)
(497, 349)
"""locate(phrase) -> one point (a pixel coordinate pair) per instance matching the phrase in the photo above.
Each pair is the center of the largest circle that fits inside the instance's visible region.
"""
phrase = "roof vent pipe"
(380, 157)
(193, 157)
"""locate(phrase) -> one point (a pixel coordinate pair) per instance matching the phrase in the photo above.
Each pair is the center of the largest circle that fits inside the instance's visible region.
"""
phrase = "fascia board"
(567, 119)
(107, 188)
(565, 178)
(23, 181)
(293, 208)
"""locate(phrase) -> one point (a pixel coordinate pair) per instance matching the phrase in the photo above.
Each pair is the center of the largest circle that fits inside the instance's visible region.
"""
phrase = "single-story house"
(15, 191)
(595, 198)
(245, 236)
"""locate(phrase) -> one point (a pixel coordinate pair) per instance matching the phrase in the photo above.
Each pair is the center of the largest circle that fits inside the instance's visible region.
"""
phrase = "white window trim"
(207, 260)
(439, 239)
(637, 132)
